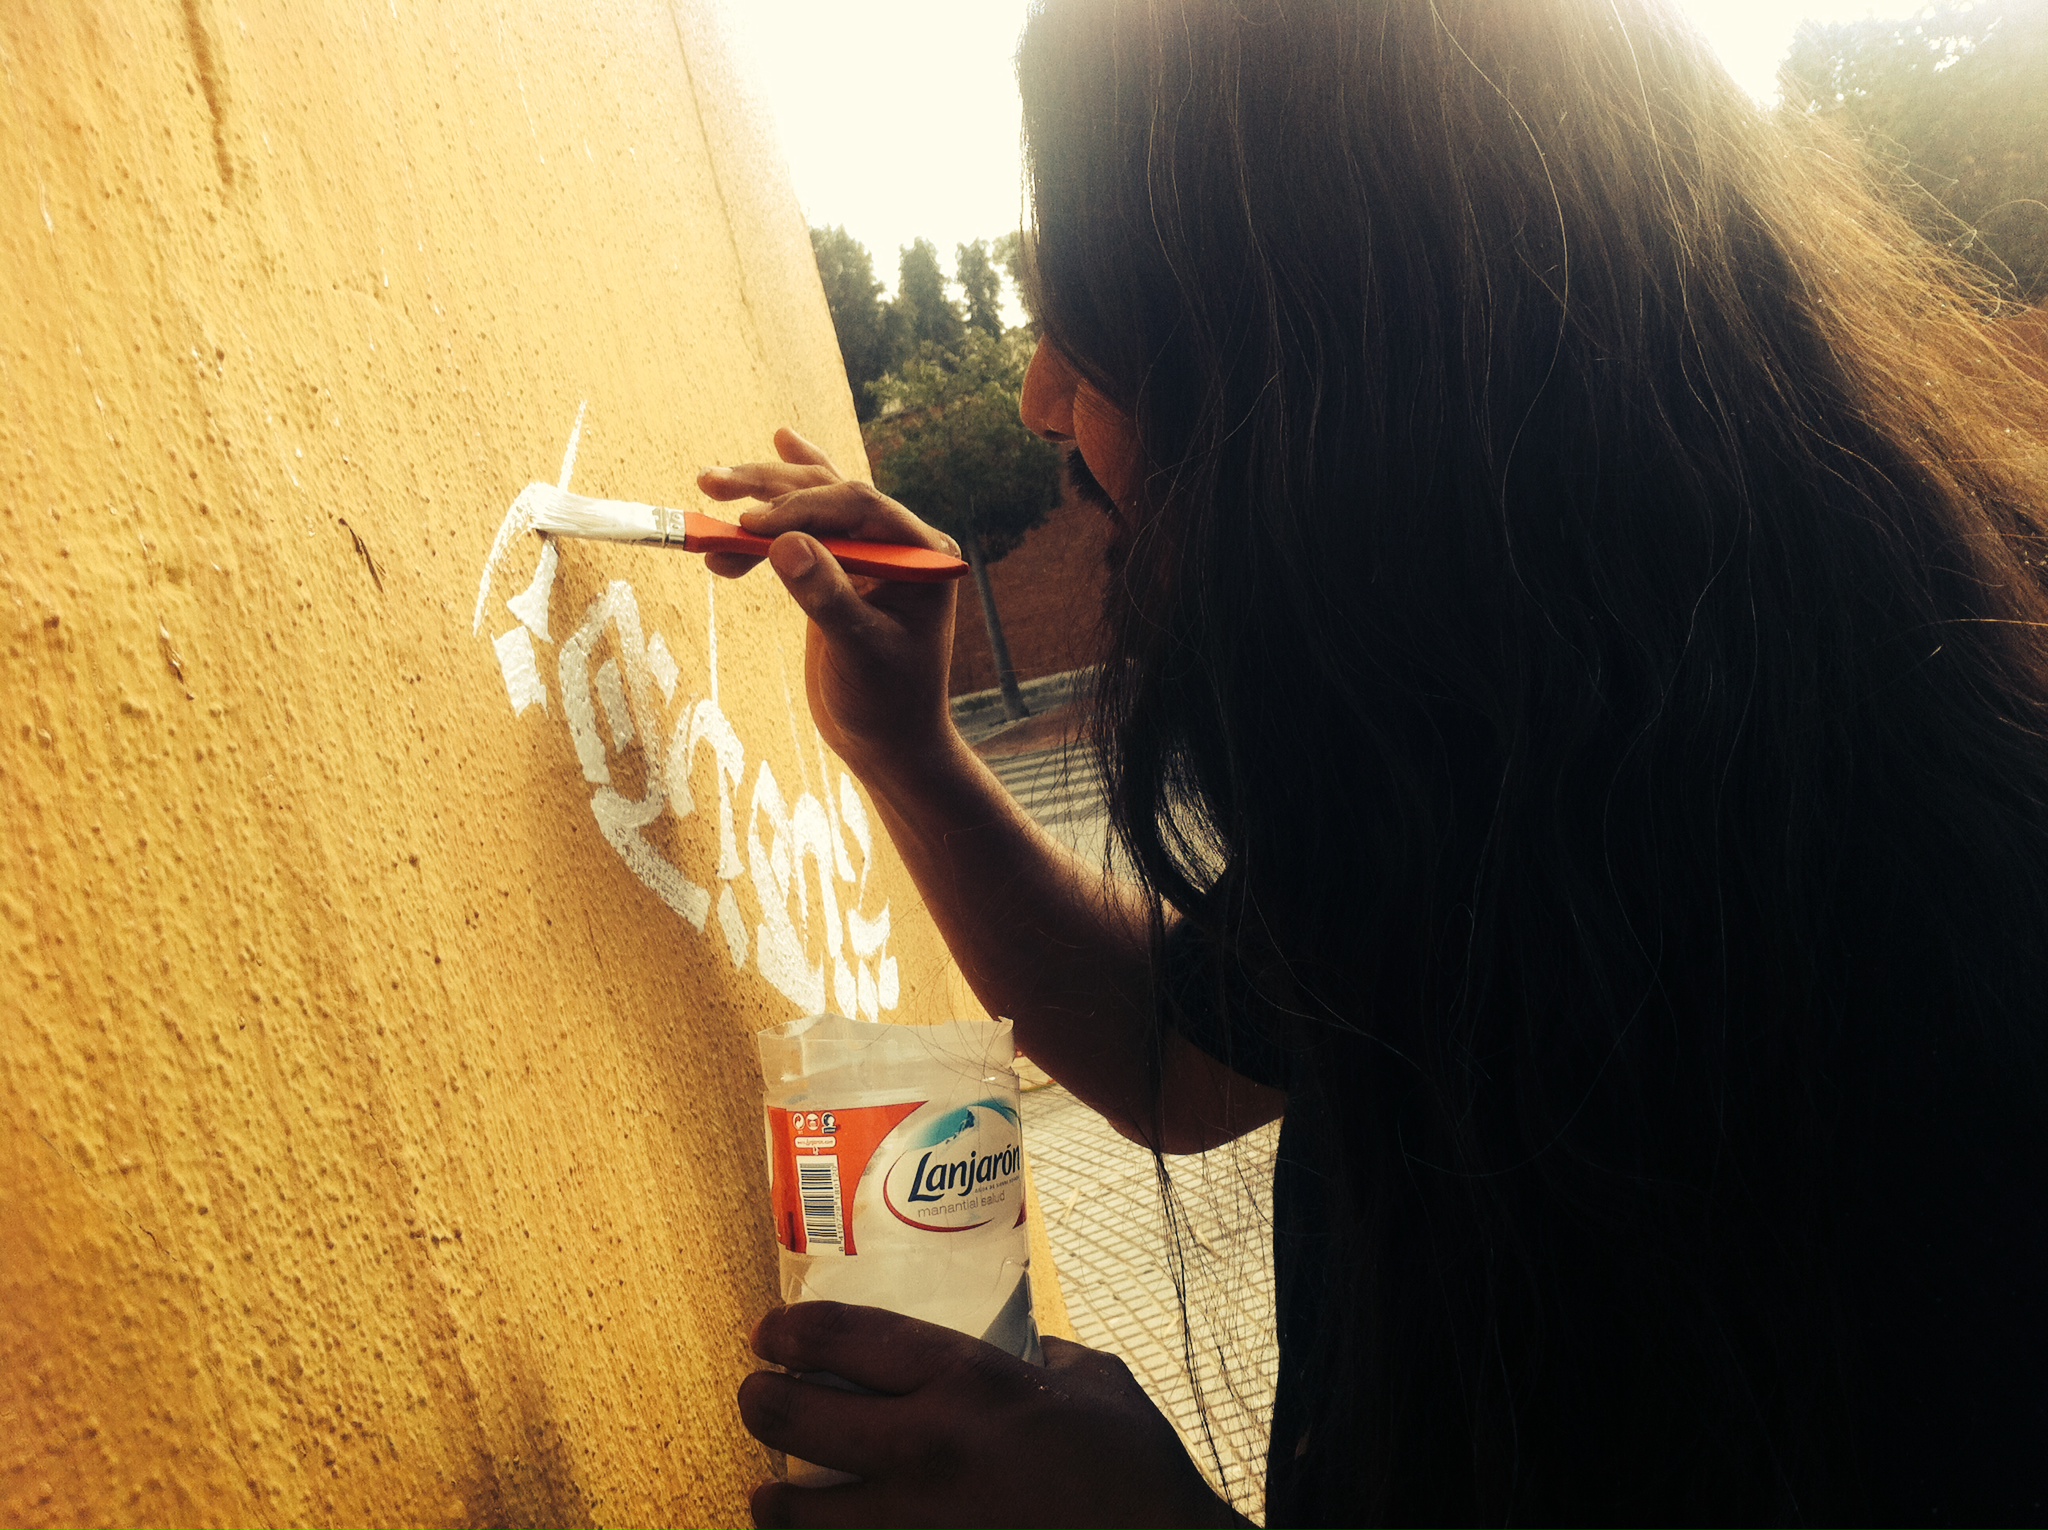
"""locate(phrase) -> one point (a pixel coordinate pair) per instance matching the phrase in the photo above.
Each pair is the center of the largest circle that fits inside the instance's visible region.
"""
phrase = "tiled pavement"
(1059, 788)
(1101, 1200)
(1105, 1216)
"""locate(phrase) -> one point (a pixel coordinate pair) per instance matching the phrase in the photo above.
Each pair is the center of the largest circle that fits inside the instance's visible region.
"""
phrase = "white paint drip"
(796, 743)
(711, 622)
(531, 607)
(855, 813)
(521, 670)
(569, 456)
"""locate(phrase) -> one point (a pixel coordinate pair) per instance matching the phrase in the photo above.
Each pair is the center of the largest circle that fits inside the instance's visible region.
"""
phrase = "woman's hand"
(877, 653)
(961, 1433)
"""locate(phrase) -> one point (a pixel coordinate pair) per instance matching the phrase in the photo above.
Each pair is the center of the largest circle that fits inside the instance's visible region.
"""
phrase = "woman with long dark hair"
(1577, 709)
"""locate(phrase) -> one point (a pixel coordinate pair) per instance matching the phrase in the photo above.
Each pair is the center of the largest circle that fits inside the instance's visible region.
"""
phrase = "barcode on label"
(817, 1191)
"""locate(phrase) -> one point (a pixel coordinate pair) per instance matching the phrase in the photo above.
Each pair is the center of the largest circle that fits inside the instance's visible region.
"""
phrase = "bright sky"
(899, 118)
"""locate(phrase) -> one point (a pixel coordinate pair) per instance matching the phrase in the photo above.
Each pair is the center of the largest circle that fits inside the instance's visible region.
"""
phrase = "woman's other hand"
(877, 653)
(960, 1433)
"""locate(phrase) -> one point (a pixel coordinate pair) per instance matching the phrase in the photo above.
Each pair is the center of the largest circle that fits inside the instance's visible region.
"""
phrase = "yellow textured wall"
(379, 1136)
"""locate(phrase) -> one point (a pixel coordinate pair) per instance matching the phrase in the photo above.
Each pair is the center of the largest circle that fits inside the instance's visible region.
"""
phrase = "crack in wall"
(210, 86)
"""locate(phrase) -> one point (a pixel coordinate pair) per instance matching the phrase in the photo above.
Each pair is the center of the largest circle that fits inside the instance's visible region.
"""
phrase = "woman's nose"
(1047, 407)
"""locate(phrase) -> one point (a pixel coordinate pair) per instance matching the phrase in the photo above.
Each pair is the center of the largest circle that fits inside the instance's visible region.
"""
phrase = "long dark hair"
(1583, 645)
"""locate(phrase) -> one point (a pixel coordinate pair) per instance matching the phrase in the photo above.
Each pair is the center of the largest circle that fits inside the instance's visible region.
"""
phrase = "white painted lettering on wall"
(657, 754)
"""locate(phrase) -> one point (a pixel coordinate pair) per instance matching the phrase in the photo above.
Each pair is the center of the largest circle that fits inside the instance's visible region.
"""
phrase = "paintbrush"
(562, 514)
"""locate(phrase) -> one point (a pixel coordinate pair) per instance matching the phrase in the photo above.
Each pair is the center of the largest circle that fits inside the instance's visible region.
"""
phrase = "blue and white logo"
(962, 1170)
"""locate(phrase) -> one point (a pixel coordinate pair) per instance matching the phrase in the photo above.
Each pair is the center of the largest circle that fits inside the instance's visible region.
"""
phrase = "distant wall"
(1049, 591)
(385, 909)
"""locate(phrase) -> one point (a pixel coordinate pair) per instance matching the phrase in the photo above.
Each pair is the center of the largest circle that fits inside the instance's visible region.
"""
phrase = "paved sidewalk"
(1106, 1220)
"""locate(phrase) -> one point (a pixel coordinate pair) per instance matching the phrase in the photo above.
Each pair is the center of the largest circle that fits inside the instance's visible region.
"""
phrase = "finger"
(883, 1351)
(848, 509)
(852, 1503)
(794, 448)
(762, 480)
(825, 1425)
(819, 585)
(730, 565)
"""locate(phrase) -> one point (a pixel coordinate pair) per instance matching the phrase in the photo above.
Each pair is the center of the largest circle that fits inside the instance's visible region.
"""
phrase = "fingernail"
(792, 556)
(715, 472)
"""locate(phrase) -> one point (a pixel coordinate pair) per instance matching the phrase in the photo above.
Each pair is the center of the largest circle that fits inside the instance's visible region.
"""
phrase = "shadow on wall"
(1049, 591)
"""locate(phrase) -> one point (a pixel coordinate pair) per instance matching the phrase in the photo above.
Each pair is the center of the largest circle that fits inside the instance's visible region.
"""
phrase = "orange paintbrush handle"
(877, 560)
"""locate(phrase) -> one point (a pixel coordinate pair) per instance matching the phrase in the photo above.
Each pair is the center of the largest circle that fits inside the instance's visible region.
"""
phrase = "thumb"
(819, 585)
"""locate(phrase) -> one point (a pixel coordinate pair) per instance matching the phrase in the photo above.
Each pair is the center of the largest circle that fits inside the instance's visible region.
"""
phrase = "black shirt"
(1947, 1401)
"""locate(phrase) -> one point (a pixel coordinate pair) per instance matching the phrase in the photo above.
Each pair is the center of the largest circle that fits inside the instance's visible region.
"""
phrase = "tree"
(858, 317)
(982, 285)
(949, 444)
(1008, 251)
(1956, 99)
(933, 317)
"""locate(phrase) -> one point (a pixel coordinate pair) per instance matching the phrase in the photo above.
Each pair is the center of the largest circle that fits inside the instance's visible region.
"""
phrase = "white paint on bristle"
(563, 514)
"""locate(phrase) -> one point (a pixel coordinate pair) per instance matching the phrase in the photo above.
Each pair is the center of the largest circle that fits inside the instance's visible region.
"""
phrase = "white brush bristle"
(563, 514)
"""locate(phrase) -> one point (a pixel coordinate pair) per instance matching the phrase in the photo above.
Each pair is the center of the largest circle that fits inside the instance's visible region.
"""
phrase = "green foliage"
(1957, 100)
(876, 338)
(858, 316)
(934, 318)
(949, 444)
(983, 286)
(937, 390)
(1008, 252)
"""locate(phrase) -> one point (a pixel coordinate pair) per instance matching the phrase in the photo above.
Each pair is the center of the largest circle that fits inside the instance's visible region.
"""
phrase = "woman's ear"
(1108, 443)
